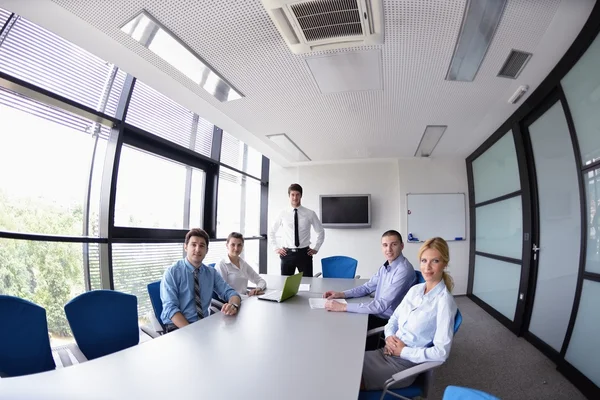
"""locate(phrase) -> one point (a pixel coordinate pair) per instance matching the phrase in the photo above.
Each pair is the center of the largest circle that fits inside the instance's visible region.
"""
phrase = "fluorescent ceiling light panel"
(430, 139)
(289, 147)
(479, 24)
(345, 72)
(151, 34)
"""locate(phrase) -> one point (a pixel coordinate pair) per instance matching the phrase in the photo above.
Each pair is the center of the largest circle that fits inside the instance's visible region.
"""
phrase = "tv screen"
(346, 211)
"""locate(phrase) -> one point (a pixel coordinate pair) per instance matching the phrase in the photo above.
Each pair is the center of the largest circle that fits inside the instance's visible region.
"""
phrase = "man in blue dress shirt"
(187, 286)
(390, 284)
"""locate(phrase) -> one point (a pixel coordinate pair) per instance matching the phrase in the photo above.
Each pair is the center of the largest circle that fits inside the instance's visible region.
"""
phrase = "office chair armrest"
(150, 332)
(357, 277)
(375, 331)
(416, 370)
(318, 274)
(216, 303)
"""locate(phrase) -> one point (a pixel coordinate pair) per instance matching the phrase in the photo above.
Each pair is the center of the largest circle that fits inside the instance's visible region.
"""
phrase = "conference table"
(268, 351)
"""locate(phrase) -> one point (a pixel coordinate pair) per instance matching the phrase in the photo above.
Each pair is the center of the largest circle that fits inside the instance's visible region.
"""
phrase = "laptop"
(290, 289)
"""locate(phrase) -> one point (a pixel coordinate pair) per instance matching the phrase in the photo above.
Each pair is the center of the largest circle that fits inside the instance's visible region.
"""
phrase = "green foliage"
(47, 273)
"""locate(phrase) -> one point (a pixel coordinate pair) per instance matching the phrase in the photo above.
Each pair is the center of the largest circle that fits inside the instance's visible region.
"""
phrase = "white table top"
(268, 351)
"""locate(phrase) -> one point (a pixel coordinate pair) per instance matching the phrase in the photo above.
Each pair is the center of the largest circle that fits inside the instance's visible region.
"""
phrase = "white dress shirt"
(238, 278)
(422, 320)
(306, 219)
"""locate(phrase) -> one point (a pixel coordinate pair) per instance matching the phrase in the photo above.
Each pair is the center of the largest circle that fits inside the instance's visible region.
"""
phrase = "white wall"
(387, 182)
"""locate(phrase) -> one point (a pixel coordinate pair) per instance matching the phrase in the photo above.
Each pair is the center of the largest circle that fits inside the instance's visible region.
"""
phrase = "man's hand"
(393, 346)
(332, 305)
(255, 292)
(330, 294)
(311, 252)
(281, 251)
(229, 309)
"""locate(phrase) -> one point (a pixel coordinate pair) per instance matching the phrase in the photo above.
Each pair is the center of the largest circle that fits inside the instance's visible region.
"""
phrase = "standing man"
(295, 251)
(390, 284)
(187, 286)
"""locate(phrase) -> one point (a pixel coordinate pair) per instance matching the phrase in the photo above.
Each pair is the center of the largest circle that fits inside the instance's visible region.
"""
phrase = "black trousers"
(374, 342)
(297, 259)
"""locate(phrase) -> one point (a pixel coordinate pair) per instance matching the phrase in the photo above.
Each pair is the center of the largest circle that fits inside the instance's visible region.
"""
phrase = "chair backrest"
(457, 321)
(156, 301)
(24, 341)
(339, 267)
(103, 322)
(420, 278)
(212, 265)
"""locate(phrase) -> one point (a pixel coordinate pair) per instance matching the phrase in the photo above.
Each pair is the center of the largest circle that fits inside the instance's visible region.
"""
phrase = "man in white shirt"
(295, 222)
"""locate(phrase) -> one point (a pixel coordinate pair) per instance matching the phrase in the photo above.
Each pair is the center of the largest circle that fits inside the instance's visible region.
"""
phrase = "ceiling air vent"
(514, 64)
(327, 24)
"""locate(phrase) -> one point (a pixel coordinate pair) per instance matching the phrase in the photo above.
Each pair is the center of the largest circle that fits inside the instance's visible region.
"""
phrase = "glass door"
(555, 247)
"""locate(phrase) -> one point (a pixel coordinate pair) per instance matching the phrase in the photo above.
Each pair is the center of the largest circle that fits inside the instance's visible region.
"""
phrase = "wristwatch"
(237, 308)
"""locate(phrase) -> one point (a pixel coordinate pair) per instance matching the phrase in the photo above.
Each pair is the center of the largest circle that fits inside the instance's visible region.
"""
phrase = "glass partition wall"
(534, 190)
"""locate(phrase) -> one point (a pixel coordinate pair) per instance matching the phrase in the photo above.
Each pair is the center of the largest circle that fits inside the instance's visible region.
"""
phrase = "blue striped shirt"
(177, 290)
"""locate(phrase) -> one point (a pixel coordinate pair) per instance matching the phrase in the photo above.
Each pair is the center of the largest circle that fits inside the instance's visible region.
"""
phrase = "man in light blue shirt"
(187, 286)
(390, 284)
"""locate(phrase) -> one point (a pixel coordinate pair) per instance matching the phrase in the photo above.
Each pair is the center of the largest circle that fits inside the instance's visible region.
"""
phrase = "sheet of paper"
(304, 287)
(320, 302)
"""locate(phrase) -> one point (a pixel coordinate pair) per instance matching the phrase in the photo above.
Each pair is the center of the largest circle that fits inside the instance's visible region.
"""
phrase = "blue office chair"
(24, 341)
(155, 300)
(338, 267)
(103, 322)
(212, 265)
(463, 393)
(420, 278)
(420, 386)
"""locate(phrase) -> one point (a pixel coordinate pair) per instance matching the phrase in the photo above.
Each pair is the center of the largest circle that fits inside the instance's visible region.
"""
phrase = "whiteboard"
(437, 214)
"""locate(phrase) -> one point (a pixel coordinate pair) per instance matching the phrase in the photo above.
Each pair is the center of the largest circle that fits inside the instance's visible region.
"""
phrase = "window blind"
(135, 265)
(161, 116)
(44, 59)
(233, 152)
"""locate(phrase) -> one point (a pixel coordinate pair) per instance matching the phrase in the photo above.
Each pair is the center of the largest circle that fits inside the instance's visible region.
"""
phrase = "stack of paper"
(320, 302)
(304, 287)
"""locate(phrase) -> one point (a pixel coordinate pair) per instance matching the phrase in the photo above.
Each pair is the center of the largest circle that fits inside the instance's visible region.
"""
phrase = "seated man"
(187, 286)
(394, 278)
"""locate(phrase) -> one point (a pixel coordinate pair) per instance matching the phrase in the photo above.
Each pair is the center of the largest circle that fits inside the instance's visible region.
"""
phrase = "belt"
(296, 249)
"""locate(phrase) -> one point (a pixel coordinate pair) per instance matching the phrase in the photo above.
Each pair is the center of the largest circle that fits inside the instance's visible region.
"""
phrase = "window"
(42, 58)
(46, 273)
(238, 208)
(582, 90)
(240, 156)
(45, 156)
(137, 265)
(161, 116)
(151, 192)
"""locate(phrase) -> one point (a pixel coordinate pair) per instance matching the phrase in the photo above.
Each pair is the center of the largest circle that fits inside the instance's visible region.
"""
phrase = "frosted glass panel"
(496, 172)
(560, 226)
(497, 283)
(584, 348)
(500, 228)
(592, 262)
(582, 89)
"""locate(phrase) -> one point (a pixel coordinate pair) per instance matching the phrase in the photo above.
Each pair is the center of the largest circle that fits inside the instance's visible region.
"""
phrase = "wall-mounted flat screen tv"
(346, 211)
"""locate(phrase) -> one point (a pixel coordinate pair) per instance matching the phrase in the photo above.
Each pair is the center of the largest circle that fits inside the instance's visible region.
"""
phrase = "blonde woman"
(422, 326)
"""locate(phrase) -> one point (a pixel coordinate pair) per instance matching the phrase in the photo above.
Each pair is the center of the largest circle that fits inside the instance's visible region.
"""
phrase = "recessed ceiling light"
(288, 146)
(430, 139)
(151, 34)
(476, 33)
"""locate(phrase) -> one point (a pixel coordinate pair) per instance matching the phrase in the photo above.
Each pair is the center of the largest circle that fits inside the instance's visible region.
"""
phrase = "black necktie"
(197, 300)
(296, 233)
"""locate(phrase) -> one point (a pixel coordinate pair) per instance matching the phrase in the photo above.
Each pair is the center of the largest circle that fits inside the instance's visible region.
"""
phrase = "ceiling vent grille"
(327, 24)
(514, 64)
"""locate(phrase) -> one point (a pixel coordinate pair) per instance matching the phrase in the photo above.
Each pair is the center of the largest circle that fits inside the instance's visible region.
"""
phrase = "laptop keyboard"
(276, 295)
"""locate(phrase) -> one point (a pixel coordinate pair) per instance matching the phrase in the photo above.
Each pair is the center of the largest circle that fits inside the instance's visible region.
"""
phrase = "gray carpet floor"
(487, 356)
